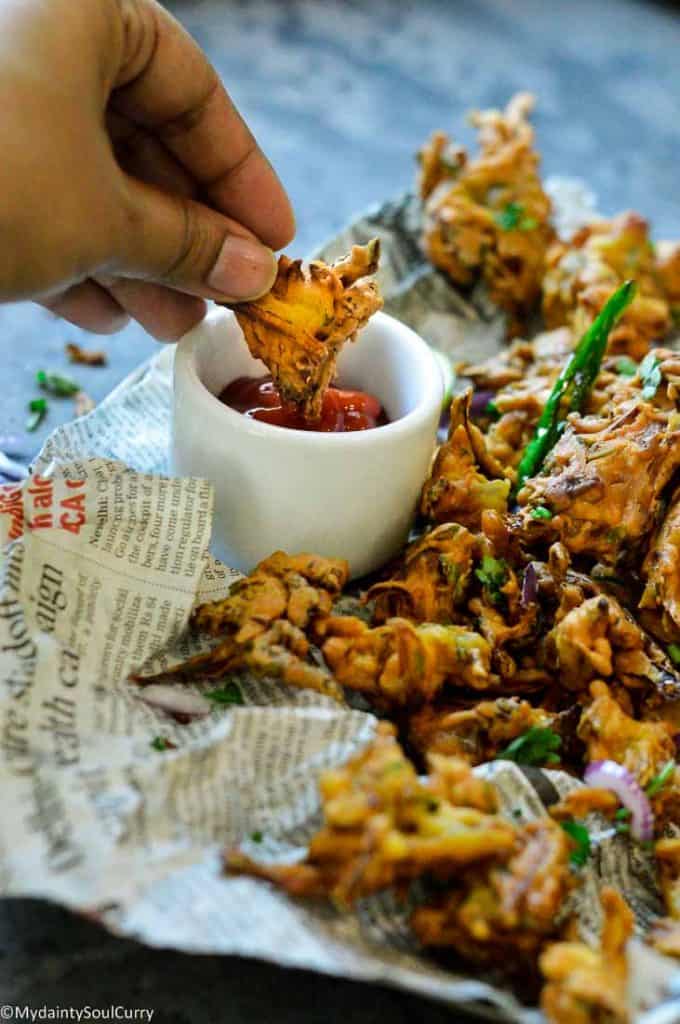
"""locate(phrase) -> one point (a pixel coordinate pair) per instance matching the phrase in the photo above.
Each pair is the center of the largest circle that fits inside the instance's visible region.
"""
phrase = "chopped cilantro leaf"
(527, 224)
(510, 216)
(256, 836)
(581, 837)
(160, 743)
(37, 407)
(649, 372)
(492, 410)
(622, 814)
(660, 780)
(541, 512)
(536, 746)
(674, 653)
(55, 384)
(229, 694)
(626, 366)
(492, 574)
(622, 828)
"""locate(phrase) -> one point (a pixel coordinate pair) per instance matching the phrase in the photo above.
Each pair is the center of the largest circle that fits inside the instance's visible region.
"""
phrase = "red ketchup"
(341, 412)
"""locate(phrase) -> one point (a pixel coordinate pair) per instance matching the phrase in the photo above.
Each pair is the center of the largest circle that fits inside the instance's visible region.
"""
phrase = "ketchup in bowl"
(342, 411)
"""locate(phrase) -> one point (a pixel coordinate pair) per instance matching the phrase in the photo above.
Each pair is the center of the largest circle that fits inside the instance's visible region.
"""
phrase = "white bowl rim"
(432, 396)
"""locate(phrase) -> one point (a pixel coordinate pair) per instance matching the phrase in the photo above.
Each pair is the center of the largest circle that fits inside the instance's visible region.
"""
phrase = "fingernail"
(243, 270)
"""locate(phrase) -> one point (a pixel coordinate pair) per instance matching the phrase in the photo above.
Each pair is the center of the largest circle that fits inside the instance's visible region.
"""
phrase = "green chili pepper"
(574, 384)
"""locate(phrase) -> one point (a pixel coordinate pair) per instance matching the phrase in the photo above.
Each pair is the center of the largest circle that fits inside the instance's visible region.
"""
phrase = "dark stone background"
(340, 95)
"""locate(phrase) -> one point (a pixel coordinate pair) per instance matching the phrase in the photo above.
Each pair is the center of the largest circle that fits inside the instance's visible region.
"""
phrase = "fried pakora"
(432, 579)
(298, 328)
(581, 275)
(643, 747)
(660, 571)
(604, 480)
(262, 623)
(400, 664)
(502, 914)
(489, 218)
(459, 488)
(383, 826)
(478, 733)
(585, 985)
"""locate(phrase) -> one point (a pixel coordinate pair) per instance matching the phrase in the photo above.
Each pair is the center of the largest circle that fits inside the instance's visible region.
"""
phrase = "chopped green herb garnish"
(493, 574)
(649, 372)
(55, 384)
(229, 694)
(536, 746)
(541, 512)
(622, 828)
(581, 837)
(37, 407)
(517, 812)
(160, 743)
(622, 814)
(574, 384)
(492, 410)
(626, 366)
(660, 780)
(674, 653)
(256, 836)
(512, 216)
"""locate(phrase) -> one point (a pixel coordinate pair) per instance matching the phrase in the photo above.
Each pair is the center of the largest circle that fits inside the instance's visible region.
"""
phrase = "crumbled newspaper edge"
(106, 555)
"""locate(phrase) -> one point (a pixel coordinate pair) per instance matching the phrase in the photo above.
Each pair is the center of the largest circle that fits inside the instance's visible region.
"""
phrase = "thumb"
(182, 243)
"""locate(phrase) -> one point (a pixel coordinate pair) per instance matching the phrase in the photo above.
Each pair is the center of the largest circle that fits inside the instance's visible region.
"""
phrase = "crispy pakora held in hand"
(262, 623)
(489, 218)
(502, 914)
(383, 826)
(459, 488)
(298, 328)
(583, 273)
(585, 985)
(603, 481)
(476, 734)
(400, 664)
(609, 733)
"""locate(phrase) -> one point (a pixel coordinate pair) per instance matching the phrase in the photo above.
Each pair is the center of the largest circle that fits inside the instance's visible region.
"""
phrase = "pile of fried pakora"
(533, 618)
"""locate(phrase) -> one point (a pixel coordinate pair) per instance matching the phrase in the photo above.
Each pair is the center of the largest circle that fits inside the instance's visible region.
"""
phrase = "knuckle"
(198, 248)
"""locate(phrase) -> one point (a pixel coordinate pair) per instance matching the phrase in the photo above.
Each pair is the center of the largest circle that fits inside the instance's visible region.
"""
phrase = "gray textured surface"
(340, 95)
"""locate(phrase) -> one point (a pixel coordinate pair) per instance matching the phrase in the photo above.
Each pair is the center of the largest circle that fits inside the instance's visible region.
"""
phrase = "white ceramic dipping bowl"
(347, 495)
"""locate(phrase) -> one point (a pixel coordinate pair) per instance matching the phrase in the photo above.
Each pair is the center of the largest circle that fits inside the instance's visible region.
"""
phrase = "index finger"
(166, 83)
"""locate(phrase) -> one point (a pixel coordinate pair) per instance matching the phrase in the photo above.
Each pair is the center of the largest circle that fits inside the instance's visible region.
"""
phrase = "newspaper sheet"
(105, 556)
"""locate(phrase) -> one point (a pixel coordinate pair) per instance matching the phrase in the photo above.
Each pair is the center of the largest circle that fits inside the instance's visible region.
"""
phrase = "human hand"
(129, 184)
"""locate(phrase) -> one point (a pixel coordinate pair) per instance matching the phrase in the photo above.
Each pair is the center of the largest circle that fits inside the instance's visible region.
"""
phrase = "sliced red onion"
(529, 586)
(613, 776)
(479, 402)
(178, 702)
(11, 469)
